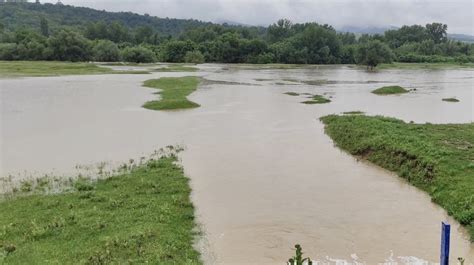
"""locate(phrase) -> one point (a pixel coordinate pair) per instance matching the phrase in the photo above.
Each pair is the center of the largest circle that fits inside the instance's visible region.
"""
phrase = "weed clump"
(317, 99)
(451, 99)
(390, 90)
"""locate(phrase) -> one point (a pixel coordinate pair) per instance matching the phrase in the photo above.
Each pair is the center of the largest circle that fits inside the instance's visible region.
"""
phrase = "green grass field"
(50, 68)
(174, 91)
(438, 159)
(390, 90)
(143, 216)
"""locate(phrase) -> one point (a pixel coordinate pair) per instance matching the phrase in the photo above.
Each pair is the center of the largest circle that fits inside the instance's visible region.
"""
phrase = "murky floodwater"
(264, 174)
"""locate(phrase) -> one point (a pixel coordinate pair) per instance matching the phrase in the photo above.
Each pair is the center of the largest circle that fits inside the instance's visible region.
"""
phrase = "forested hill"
(16, 15)
(31, 31)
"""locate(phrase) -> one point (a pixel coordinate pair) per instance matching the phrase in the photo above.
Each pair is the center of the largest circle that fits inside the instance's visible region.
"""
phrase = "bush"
(138, 54)
(194, 57)
(373, 53)
(8, 51)
(106, 51)
(68, 45)
(263, 58)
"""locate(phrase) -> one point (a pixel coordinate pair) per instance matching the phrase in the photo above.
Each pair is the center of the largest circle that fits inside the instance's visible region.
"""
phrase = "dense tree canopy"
(51, 32)
(373, 53)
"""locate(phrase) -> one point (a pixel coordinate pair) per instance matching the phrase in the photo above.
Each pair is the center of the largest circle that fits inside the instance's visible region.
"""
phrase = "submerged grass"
(174, 91)
(46, 68)
(436, 158)
(317, 99)
(144, 216)
(50, 68)
(450, 99)
(291, 93)
(356, 112)
(176, 68)
(390, 90)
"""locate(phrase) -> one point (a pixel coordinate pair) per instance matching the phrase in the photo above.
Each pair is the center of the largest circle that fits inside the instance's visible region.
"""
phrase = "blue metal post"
(445, 235)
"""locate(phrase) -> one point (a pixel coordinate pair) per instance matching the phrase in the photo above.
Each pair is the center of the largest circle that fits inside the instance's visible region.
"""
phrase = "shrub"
(106, 51)
(194, 57)
(138, 54)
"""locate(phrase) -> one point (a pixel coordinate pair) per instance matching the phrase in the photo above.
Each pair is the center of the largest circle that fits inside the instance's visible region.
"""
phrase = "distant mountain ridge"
(17, 15)
(381, 30)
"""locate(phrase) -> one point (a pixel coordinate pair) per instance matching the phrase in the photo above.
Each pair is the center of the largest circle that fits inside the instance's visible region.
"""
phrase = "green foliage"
(435, 158)
(317, 99)
(144, 216)
(438, 32)
(68, 45)
(41, 68)
(355, 112)
(138, 54)
(26, 29)
(451, 99)
(390, 90)
(280, 30)
(374, 53)
(106, 51)
(175, 51)
(8, 51)
(46, 68)
(298, 258)
(195, 57)
(15, 16)
(174, 91)
(44, 25)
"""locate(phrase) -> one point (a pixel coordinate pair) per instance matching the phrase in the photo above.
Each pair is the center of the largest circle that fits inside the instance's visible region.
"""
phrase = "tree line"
(281, 42)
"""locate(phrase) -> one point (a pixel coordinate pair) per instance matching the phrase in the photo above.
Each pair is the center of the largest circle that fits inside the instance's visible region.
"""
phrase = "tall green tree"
(438, 32)
(279, 30)
(44, 25)
(373, 53)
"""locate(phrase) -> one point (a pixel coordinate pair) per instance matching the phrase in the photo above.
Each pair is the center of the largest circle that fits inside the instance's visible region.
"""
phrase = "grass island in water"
(174, 91)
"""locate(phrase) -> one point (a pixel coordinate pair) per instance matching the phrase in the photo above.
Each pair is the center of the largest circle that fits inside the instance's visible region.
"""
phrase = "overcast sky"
(458, 14)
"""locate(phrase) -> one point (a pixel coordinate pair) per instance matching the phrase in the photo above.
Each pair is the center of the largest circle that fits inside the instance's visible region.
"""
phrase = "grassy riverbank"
(142, 216)
(436, 158)
(174, 91)
(425, 65)
(50, 68)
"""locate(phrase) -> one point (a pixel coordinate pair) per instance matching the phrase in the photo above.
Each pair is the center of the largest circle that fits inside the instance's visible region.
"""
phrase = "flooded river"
(264, 174)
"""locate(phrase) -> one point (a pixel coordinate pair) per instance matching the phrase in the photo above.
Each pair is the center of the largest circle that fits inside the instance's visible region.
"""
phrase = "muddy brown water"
(264, 174)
